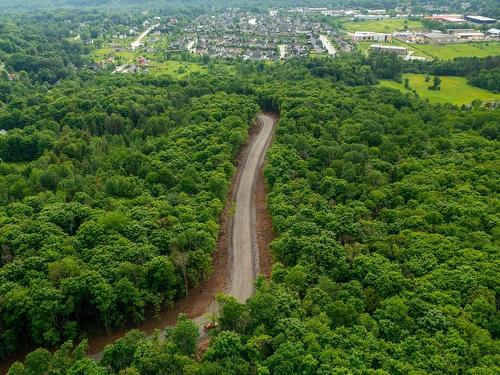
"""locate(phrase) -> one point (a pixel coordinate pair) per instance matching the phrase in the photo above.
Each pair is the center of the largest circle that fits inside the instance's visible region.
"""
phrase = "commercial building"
(363, 36)
(470, 35)
(447, 18)
(480, 19)
(438, 37)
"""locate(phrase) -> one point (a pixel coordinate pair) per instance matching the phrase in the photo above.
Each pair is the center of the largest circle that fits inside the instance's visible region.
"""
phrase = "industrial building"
(447, 18)
(480, 19)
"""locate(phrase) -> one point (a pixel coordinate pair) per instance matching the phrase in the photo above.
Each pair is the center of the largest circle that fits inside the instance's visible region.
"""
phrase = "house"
(390, 49)
(143, 62)
(360, 36)
(480, 19)
(136, 45)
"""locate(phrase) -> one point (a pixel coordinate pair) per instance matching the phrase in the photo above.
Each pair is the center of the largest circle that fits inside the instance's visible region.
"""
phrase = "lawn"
(450, 51)
(178, 69)
(443, 51)
(382, 26)
(123, 56)
(454, 90)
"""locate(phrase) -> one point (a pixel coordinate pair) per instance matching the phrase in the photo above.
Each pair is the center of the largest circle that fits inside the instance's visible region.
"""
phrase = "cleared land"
(443, 51)
(176, 68)
(450, 51)
(454, 90)
(382, 26)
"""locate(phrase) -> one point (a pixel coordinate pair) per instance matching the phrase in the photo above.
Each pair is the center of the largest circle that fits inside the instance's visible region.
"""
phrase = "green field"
(382, 26)
(443, 51)
(363, 46)
(454, 90)
(176, 68)
(450, 51)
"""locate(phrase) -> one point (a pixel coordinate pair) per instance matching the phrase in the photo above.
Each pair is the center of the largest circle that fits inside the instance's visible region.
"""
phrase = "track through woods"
(243, 250)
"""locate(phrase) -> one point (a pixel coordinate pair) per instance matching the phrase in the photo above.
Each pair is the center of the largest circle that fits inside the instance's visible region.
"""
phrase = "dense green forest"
(385, 210)
(111, 192)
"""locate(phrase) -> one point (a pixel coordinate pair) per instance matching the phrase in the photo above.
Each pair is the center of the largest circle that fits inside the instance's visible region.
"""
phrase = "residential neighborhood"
(284, 33)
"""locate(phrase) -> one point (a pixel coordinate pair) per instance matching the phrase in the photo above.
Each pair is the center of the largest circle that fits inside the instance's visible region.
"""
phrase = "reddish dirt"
(263, 224)
(202, 348)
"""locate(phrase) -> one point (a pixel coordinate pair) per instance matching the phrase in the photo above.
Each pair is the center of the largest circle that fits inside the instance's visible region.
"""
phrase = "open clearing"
(450, 51)
(443, 51)
(178, 69)
(454, 90)
(382, 26)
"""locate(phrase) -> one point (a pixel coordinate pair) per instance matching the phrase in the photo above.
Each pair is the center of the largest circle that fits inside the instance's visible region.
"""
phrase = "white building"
(363, 36)
(370, 17)
(470, 35)
(494, 33)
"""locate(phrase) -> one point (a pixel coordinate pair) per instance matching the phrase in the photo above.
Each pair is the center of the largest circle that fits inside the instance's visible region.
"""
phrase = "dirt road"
(244, 248)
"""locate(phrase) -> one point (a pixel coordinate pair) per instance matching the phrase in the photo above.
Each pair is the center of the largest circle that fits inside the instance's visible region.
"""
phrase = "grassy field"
(454, 90)
(450, 51)
(443, 51)
(178, 69)
(363, 46)
(382, 26)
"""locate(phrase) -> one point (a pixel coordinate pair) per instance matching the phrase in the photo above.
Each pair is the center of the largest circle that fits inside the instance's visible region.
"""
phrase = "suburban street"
(327, 45)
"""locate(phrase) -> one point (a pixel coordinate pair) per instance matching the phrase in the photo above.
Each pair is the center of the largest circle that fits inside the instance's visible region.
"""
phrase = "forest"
(384, 208)
(111, 192)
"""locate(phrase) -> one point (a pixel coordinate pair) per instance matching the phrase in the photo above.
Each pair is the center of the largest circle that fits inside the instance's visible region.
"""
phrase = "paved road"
(327, 45)
(136, 44)
(244, 250)
(282, 51)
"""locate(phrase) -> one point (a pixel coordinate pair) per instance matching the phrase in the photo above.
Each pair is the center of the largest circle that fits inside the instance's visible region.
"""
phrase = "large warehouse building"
(480, 19)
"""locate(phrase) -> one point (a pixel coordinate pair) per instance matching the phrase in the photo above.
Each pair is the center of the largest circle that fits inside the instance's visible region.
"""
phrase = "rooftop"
(481, 18)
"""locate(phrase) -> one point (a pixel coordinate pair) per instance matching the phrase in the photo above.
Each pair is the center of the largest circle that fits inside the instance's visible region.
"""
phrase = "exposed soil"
(263, 224)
